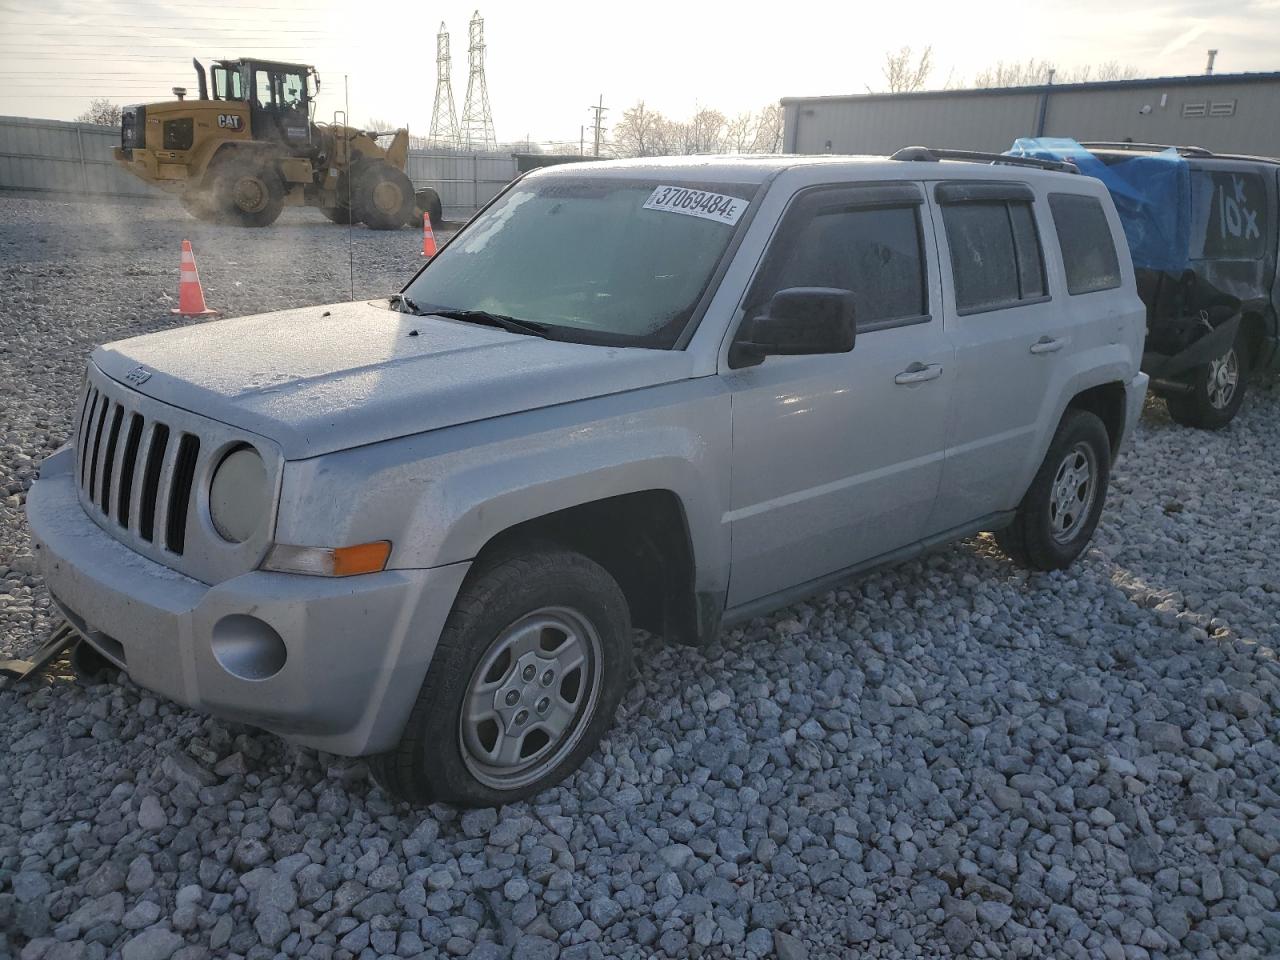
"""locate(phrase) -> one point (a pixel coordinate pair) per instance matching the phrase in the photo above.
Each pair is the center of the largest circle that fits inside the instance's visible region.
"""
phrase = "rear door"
(1009, 336)
(836, 458)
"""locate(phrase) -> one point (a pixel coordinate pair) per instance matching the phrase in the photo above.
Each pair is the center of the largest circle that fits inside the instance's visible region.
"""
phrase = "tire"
(337, 214)
(1217, 390)
(1045, 533)
(383, 197)
(248, 193)
(542, 595)
(429, 203)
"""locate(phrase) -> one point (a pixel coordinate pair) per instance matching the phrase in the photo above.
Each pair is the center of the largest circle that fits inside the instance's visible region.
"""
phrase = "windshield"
(621, 262)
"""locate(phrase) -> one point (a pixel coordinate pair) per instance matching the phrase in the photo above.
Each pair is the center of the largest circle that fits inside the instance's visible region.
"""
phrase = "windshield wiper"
(404, 305)
(513, 324)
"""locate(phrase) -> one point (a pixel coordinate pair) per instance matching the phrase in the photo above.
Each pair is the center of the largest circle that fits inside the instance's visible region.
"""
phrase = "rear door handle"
(919, 373)
(1048, 345)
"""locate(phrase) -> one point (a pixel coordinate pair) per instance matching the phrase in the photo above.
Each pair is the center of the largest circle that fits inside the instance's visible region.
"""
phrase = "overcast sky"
(547, 61)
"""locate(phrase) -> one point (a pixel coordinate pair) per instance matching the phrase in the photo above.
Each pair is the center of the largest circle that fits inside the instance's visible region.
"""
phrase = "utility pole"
(582, 132)
(1213, 55)
(599, 110)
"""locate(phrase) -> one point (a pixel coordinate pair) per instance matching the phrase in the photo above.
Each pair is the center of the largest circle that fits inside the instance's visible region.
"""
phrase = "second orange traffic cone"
(190, 293)
(428, 238)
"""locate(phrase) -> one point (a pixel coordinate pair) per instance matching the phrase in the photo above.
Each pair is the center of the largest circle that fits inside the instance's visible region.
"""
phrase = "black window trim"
(1004, 193)
(1062, 256)
(834, 197)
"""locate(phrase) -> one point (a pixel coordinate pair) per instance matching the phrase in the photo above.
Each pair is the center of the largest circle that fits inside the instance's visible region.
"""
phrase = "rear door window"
(996, 257)
(1088, 248)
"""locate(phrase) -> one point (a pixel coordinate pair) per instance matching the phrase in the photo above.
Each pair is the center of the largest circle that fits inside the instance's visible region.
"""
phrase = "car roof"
(759, 169)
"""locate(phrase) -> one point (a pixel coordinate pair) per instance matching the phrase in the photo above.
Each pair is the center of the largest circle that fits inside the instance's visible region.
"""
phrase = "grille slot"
(126, 469)
(151, 481)
(184, 472)
(113, 437)
(97, 442)
(86, 430)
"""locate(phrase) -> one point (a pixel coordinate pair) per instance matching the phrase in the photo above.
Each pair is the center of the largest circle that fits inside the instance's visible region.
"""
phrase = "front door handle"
(1048, 345)
(919, 373)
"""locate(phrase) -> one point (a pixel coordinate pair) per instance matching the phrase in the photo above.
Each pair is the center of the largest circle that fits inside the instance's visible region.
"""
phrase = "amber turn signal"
(329, 561)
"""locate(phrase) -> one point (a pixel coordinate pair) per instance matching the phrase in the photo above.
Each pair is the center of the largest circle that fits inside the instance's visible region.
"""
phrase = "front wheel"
(1217, 391)
(383, 197)
(528, 672)
(248, 193)
(1058, 513)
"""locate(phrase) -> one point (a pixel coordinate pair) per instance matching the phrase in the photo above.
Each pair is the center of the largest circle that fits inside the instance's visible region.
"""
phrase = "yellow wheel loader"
(248, 147)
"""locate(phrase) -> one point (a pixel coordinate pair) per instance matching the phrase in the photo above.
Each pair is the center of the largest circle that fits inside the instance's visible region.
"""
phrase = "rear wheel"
(1058, 513)
(1217, 390)
(383, 197)
(248, 193)
(430, 204)
(337, 214)
(525, 679)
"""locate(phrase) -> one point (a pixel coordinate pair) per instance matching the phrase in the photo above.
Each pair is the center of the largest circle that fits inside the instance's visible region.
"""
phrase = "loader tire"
(248, 193)
(383, 197)
(337, 214)
(430, 204)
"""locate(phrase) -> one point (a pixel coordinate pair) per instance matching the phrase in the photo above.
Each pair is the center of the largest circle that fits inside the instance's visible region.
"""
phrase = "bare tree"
(706, 131)
(102, 112)
(639, 133)
(768, 138)
(740, 133)
(374, 125)
(1035, 72)
(904, 71)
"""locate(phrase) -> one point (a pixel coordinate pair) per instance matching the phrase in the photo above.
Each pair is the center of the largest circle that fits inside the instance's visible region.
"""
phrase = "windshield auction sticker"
(697, 203)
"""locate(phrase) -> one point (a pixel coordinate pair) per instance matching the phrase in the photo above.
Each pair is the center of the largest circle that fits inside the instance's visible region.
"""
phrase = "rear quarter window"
(1089, 257)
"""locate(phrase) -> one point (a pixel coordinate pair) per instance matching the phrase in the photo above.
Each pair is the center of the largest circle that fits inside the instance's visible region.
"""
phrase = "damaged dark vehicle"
(1202, 230)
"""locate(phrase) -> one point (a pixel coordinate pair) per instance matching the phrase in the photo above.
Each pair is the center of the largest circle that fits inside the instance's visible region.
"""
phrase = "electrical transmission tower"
(477, 121)
(444, 115)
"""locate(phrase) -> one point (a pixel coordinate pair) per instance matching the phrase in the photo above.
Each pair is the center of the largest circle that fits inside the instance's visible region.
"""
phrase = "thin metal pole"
(351, 240)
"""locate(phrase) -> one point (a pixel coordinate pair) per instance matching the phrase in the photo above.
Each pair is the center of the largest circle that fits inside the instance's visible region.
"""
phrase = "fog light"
(248, 648)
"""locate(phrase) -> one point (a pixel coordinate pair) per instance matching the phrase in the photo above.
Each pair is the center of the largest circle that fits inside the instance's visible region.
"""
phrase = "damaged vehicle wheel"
(1216, 392)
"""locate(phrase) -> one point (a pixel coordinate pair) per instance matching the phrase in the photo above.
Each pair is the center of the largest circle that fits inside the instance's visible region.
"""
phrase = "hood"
(321, 379)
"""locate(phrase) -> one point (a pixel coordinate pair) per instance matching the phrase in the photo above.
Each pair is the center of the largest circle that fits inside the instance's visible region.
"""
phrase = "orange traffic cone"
(190, 293)
(428, 238)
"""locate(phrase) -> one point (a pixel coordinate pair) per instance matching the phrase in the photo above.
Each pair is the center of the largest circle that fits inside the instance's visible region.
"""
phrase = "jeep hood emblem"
(138, 375)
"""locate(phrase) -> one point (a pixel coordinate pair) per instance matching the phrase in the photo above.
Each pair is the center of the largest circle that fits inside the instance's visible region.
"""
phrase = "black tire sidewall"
(431, 766)
(1040, 548)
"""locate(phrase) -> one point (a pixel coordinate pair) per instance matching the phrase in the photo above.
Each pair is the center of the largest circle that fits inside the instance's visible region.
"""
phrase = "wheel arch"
(642, 539)
(1106, 401)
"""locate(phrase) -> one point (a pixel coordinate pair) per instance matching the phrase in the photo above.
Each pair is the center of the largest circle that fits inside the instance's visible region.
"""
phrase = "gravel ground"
(950, 758)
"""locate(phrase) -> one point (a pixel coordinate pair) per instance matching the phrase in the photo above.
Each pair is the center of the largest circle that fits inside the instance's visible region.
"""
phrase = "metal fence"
(59, 157)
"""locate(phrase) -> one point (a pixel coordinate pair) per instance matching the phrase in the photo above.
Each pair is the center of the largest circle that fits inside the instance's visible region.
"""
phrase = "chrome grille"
(161, 502)
(144, 469)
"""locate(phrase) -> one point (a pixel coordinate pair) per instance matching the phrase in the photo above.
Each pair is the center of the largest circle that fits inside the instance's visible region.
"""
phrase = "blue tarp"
(1151, 191)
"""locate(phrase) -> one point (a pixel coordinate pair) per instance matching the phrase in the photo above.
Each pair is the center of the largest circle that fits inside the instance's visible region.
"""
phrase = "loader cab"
(278, 94)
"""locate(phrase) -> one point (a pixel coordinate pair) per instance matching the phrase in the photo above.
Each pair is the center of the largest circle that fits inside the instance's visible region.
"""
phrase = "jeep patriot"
(669, 394)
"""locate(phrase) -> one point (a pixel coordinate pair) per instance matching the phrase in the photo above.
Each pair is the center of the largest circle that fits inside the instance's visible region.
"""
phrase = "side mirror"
(798, 320)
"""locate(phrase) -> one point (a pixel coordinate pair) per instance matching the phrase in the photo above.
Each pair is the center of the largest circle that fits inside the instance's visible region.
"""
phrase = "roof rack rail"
(1184, 151)
(934, 154)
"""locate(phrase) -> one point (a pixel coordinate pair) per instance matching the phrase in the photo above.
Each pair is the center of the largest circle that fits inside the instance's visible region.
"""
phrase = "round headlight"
(239, 497)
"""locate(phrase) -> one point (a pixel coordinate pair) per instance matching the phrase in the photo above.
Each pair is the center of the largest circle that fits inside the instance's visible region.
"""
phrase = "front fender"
(441, 496)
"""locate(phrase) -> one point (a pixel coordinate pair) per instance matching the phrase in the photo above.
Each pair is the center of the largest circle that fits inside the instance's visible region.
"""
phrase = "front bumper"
(354, 650)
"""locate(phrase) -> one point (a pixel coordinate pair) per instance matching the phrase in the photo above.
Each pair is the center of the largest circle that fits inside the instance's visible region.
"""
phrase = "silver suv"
(666, 394)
